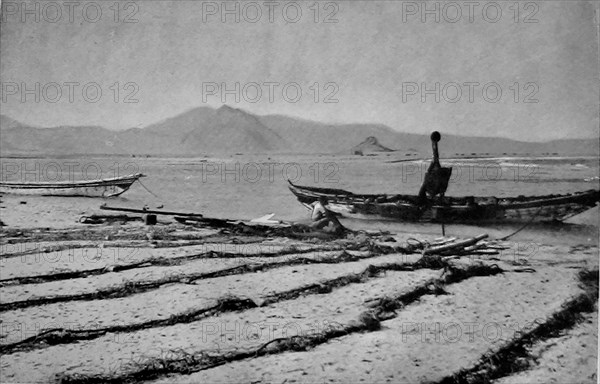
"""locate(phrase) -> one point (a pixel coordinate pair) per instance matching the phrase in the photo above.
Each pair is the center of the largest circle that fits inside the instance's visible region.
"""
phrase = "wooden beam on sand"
(149, 211)
(459, 245)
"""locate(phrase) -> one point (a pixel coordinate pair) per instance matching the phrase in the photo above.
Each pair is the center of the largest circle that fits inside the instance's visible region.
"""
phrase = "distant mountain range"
(205, 130)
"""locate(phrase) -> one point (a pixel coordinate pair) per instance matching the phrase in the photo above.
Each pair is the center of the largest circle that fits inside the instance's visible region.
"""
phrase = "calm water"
(244, 187)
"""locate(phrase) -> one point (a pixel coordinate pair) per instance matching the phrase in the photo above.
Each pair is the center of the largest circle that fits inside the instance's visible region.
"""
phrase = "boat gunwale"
(405, 200)
(69, 184)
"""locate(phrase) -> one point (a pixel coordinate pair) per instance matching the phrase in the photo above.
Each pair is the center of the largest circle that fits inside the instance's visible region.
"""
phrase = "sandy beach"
(172, 303)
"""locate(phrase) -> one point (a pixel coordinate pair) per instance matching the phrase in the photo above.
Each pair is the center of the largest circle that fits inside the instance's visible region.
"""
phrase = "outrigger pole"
(148, 211)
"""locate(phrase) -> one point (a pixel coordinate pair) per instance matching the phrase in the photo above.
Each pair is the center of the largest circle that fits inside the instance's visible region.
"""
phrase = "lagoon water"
(249, 186)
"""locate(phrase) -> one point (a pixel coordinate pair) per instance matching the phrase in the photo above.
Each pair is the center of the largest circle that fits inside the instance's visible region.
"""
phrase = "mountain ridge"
(205, 130)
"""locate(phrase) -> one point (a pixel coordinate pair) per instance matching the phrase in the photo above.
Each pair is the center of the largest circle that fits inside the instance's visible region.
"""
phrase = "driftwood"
(459, 246)
(442, 241)
(208, 221)
(100, 219)
(297, 231)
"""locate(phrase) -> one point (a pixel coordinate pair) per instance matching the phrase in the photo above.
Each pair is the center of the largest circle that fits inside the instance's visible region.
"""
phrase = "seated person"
(324, 219)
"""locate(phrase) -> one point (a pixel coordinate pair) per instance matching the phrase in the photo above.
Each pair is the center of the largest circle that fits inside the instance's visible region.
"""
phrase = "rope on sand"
(152, 193)
(524, 226)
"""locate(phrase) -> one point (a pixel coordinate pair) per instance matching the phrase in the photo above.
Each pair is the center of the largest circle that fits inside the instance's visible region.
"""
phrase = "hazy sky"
(375, 58)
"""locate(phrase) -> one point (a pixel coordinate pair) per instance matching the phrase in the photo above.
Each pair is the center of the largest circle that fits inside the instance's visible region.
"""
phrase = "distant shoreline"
(220, 155)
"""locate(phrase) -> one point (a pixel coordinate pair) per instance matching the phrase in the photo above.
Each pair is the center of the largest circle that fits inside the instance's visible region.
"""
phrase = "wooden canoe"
(90, 188)
(468, 209)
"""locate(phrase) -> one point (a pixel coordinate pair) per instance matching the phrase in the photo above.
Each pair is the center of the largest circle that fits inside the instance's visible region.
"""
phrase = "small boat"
(410, 208)
(90, 188)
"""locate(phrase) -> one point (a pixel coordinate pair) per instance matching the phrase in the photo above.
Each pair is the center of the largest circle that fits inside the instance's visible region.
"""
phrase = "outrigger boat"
(450, 209)
(90, 188)
(425, 207)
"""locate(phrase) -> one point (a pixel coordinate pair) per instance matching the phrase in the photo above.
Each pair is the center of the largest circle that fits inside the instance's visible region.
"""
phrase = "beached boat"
(468, 209)
(90, 188)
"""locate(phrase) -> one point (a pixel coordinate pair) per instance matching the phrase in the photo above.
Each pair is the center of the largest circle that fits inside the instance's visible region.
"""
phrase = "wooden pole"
(148, 211)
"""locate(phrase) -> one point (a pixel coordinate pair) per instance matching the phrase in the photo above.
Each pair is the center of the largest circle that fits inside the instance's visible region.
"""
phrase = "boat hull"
(91, 188)
(406, 208)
